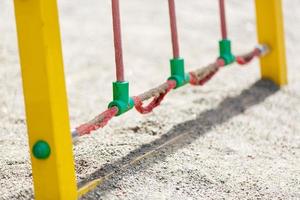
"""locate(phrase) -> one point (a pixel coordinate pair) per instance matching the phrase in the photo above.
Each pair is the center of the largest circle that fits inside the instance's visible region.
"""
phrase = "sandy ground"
(241, 136)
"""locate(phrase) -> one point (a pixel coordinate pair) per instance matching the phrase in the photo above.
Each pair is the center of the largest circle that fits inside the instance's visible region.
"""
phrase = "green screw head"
(41, 150)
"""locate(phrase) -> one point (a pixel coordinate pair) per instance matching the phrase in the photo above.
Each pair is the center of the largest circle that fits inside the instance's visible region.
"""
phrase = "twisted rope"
(203, 75)
(197, 77)
(158, 93)
(98, 122)
(247, 58)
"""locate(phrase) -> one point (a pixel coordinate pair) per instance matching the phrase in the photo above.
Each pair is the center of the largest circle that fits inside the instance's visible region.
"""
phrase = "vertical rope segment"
(223, 19)
(117, 40)
(173, 25)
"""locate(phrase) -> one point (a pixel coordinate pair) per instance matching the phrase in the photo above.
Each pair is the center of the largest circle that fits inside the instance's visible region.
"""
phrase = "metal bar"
(45, 99)
(270, 30)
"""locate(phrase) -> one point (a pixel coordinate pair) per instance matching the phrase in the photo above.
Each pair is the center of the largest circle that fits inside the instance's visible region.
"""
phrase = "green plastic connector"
(177, 72)
(121, 97)
(41, 150)
(225, 51)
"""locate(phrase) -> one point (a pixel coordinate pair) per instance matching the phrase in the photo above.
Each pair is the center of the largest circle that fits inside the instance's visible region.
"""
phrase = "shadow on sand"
(192, 129)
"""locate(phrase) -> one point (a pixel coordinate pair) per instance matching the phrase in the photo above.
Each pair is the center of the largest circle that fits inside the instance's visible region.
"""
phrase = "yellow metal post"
(45, 99)
(271, 31)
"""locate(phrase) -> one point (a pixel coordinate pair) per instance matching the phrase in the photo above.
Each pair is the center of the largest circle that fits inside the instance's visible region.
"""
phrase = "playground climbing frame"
(47, 115)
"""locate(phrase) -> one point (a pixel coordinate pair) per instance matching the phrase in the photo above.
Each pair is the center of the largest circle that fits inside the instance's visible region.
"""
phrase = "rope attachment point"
(225, 51)
(264, 49)
(121, 98)
(178, 72)
(259, 51)
(225, 43)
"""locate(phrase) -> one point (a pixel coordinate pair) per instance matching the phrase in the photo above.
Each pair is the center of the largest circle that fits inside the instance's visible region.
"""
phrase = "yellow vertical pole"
(270, 30)
(45, 100)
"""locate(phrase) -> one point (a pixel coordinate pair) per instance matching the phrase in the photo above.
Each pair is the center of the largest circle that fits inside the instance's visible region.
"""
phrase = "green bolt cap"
(41, 150)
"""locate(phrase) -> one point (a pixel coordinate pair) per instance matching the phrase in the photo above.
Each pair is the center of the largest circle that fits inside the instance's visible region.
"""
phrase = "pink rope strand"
(243, 60)
(117, 40)
(194, 80)
(173, 25)
(223, 19)
(98, 122)
(138, 103)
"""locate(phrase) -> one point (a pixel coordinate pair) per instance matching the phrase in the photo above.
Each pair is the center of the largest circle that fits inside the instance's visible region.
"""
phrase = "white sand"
(242, 135)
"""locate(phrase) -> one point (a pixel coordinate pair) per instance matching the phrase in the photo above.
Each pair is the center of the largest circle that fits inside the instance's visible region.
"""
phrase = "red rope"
(138, 103)
(117, 40)
(174, 33)
(243, 60)
(223, 19)
(102, 119)
(195, 81)
(105, 117)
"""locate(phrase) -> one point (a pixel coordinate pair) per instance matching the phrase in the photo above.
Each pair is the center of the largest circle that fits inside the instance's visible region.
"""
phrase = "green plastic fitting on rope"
(225, 51)
(177, 72)
(121, 97)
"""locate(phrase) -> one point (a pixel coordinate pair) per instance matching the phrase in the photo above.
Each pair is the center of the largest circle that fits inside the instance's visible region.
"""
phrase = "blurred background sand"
(242, 140)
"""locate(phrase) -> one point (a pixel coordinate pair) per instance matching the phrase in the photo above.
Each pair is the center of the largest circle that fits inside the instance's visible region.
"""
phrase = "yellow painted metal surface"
(270, 30)
(45, 98)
